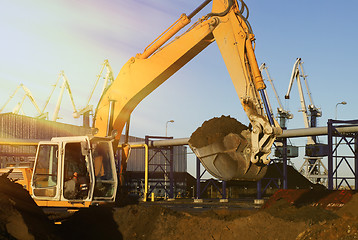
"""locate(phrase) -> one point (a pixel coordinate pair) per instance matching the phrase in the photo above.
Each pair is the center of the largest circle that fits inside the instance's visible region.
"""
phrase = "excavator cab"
(74, 170)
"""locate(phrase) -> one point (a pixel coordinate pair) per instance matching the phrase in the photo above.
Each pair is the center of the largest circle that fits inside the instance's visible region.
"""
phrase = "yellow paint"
(143, 73)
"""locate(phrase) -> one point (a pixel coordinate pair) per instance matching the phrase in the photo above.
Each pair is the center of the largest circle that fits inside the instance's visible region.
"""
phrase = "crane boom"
(143, 73)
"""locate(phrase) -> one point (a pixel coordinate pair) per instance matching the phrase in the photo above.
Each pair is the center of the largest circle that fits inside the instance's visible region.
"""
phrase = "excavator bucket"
(223, 146)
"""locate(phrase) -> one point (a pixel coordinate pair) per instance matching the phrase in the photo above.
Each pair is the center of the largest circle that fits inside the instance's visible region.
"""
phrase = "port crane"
(65, 86)
(312, 168)
(27, 94)
(108, 79)
(282, 114)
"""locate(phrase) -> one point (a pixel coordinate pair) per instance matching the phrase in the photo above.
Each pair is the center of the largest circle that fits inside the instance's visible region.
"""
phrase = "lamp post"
(165, 165)
(335, 138)
(166, 127)
(343, 103)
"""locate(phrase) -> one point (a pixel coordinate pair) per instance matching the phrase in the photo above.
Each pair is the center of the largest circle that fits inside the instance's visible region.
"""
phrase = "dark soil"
(214, 130)
(295, 180)
(21, 218)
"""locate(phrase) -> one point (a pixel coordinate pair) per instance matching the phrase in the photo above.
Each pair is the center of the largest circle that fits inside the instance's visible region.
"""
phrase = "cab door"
(46, 175)
(76, 183)
(105, 172)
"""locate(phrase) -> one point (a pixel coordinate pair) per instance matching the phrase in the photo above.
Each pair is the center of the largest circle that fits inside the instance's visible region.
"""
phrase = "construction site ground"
(21, 218)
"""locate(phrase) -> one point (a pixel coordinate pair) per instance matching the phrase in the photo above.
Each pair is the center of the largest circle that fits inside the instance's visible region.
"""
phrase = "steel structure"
(209, 182)
(347, 157)
(283, 172)
(346, 131)
(162, 167)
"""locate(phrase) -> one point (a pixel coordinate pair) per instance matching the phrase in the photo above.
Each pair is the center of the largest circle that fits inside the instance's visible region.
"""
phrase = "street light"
(343, 103)
(335, 139)
(165, 166)
(166, 127)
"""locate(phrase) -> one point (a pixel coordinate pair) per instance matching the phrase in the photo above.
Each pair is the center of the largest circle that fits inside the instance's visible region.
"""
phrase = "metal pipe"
(303, 132)
(198, 176)
(291, 133)
(21, 142)
(146, 170)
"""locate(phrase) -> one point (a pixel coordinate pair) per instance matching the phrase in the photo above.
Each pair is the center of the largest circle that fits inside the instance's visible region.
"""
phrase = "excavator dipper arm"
(240, 155)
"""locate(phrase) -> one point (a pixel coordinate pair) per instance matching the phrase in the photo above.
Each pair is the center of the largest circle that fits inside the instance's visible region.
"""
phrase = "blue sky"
(41, 38)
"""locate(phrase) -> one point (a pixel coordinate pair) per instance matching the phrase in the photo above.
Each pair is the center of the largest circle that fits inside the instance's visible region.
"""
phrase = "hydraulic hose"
(230, 4)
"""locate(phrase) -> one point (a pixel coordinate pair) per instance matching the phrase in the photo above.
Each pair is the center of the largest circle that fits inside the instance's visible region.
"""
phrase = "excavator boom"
(143, 73)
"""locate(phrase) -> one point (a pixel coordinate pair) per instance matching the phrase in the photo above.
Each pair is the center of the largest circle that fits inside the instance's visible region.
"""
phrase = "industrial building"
(167, 170)
(14, 126)
(20, 127)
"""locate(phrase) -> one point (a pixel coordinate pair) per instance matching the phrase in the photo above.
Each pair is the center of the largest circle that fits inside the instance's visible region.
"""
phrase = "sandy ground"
(21, 218)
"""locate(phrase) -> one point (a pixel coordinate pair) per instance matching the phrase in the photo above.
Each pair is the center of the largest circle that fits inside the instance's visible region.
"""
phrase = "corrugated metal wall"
(23, 127)
(136, 159)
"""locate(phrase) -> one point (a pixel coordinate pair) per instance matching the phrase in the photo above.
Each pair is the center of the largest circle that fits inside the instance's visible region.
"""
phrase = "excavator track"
(223, 147)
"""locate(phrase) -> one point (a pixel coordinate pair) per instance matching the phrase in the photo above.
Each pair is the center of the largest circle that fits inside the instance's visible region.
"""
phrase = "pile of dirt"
(214, 130)
(20, 217)
(295, 180)
(148, 223)
(343, 227)
(281, 221)
(350, 209)
(339, 222)
(307, 213)
(326, 199)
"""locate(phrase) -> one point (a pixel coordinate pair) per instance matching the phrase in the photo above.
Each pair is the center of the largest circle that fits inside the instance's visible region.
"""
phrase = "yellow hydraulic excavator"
(226, 148)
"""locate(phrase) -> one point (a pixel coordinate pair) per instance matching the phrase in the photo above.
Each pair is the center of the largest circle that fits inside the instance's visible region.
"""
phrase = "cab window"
(76, 174)
(45, 171)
